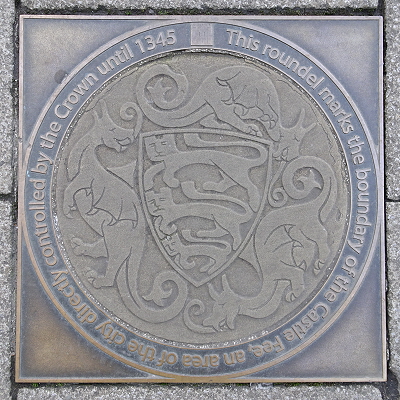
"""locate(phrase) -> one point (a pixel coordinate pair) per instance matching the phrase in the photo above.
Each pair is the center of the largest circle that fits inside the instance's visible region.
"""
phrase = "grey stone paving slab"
(392, 63)
(206, 392)
(217, 4)
(393, 299)
(6, 320)
(6, 79)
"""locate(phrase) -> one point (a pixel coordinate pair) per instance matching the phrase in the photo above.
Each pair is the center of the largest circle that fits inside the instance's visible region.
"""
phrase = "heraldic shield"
(203, 191)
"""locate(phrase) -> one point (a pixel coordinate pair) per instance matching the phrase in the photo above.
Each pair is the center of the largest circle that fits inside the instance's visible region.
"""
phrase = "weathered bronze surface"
(201, 200)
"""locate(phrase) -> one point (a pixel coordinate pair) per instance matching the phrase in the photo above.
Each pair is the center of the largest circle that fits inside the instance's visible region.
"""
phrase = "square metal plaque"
(200, 199)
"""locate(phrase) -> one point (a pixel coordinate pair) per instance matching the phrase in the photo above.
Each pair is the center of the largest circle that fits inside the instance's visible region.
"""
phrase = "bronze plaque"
(200, 200)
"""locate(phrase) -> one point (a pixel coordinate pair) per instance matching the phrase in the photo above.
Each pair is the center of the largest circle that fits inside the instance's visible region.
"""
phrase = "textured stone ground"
(8, 142)
(206, 392)
(214, 4)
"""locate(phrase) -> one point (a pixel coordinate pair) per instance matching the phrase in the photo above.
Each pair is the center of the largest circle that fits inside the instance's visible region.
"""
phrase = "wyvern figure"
(111, 207)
